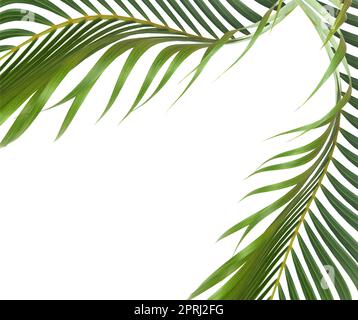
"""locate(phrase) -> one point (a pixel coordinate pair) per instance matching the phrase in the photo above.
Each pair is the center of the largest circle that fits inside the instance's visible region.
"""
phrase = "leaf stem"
(307, 209)
(103, 17)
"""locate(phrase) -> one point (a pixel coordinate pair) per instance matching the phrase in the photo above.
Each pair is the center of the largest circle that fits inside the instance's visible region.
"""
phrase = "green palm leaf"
(251, 279)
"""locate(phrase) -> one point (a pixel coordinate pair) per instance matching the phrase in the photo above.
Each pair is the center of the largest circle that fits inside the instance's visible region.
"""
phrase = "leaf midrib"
(104, 17)
(307, 209)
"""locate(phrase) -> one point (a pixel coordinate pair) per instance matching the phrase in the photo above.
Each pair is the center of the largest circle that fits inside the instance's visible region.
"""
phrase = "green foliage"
(315, 218)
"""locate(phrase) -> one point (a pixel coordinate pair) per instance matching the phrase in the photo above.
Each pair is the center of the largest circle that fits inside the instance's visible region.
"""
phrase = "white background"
(134, 211)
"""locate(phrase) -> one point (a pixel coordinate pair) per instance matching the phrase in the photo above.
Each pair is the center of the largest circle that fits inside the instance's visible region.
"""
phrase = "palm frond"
(304, 224)
(315, 219)
(32, 70)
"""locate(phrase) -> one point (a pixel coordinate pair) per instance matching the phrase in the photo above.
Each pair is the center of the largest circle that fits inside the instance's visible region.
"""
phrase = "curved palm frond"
(306, 236)
(315, 218)
(34, 69)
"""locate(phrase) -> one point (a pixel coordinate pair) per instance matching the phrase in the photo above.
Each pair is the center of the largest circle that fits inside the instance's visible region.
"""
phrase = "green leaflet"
(341, 18)
(245, 10)
(291, 164)
(210, 52)
(197, 16)
(128, 67)
(346, 173)
(255, 37)
(353, 158)
(173, 67)
(352, 60)
(278, 186)
(178, 9)
(158, 64)
(353, 140)
(354, 102)
(11, 15)
(315, 272)
(12, 33)
(47, 5)
(349, 80)
(5, 48)
(342, 209)
(306, 148)
(226, 269)
(89, 4)
(348, 195)
(32, 109)
(334, 64)
(75, 6)
(281, 293)
(124, 7)
(339, 282)
(153, 9)
(351, 118)
(155, 68)
(260, 215)
(231, 19)
(305, 283)
(170, 13)
(346, 261)
(291, 286)
(140, 47)
(342, 235)
(211, 15)
(324, 120)
(138, 8)
(107, 6)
